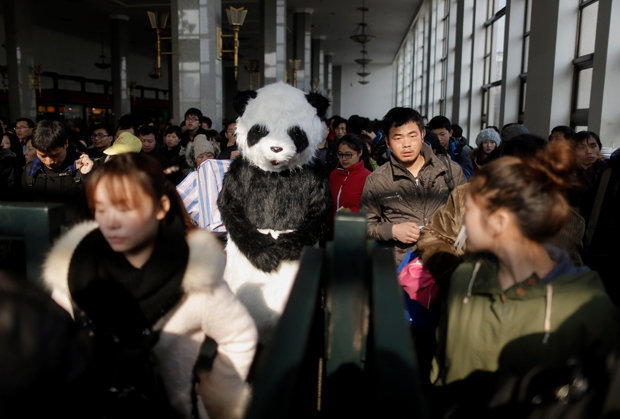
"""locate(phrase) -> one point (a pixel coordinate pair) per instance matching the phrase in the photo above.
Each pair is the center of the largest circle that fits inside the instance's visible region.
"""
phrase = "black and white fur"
(272, 206)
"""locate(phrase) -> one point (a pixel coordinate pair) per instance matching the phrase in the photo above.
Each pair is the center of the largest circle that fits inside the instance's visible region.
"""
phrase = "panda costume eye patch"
(256, 133)
(299, 138)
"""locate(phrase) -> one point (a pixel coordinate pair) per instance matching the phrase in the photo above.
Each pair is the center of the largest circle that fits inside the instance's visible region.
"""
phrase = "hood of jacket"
(205, 266)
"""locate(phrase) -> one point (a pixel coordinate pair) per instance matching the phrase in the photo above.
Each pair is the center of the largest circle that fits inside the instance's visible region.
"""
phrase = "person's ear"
(164, 207)
(66, 144)
(499, 221)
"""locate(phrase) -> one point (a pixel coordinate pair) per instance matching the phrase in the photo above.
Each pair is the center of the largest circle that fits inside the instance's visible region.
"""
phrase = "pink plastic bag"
(418, 283)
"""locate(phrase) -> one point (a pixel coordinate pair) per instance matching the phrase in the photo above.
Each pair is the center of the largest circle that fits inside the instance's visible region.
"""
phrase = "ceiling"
(335, 20)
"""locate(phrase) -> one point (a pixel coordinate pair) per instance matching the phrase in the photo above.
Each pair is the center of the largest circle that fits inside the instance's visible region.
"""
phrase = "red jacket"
(347, 185)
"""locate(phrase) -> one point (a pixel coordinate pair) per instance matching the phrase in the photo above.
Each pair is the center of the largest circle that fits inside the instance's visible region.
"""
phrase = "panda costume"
(272, 205)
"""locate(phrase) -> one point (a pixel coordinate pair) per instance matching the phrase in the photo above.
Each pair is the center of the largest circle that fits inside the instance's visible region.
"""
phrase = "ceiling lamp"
(363, 72)
(364, 60)
(102, 63)
(363, 81)
(362, 34)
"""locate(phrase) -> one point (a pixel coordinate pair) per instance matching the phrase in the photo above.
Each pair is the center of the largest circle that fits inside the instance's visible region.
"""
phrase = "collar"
(399, 170)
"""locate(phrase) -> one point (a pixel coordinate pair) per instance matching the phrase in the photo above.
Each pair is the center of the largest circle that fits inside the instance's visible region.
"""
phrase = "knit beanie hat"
(202, 145)
(488, 134)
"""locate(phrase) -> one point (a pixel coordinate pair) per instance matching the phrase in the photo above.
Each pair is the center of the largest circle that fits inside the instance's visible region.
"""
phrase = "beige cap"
(125, 143)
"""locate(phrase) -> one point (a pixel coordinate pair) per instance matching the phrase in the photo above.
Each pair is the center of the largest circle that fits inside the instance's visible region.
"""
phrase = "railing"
(342, 347)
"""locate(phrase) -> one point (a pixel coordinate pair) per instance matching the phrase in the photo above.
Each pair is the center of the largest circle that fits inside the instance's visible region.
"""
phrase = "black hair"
(337, 120)
(400, 116)
(194, 112)
(432, 140)
(355, 143)
(567, 131)
(457, 131)
(147, 130)
(173, 129)
(105, 127)
(28, 121)
(206, 120)
(49, 135)
(584, 135)
(439, 122)
(523, 145)
(126, 122)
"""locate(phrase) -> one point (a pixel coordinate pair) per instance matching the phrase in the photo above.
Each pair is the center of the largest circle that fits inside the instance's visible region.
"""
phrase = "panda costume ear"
(320, 102)
(241, 100)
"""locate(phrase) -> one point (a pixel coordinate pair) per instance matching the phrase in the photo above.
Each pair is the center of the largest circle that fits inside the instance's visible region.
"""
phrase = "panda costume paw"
(272, 205)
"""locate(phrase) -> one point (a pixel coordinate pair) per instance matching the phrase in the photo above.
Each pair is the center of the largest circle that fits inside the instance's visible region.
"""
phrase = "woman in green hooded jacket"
(517, 303)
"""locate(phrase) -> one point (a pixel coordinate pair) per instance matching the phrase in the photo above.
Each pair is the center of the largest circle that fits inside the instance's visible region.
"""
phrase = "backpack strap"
(596, 208)
(448, 175)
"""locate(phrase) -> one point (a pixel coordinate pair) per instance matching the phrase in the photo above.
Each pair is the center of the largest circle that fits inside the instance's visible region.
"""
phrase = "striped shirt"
(199, 191)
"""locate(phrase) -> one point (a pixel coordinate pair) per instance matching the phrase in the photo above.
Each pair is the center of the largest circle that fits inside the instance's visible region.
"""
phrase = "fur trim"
(56, 266)
(205, 266)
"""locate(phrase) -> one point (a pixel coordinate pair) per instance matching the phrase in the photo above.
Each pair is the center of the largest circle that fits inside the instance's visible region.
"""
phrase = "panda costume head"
(279, 127)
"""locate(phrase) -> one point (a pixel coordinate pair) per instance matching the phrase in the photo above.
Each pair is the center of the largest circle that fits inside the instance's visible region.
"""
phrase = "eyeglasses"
(192, 119)
(344, 156)
(100, 135)
(21, 127)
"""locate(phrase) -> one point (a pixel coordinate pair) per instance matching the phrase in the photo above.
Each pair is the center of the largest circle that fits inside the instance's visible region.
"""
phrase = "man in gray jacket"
(400, 197)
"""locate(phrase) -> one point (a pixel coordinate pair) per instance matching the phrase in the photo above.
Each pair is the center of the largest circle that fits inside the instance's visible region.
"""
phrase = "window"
(493, 59)
(583, 62)
(524, 59)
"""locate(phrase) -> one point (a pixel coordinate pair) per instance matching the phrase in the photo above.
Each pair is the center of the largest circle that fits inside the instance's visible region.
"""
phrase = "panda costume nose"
(276, 149)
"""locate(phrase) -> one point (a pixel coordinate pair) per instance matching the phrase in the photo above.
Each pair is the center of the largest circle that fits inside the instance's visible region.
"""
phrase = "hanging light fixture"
(363, 73)
(362, 34)
(102, 63)
(364, 60)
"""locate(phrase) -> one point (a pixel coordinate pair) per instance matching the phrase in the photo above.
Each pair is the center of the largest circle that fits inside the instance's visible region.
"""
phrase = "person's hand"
(370, 134)
(234, 154)
(84, 164)
(406, 232)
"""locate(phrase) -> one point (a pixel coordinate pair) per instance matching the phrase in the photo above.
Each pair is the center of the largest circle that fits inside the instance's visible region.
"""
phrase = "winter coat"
(392, 195)
(347, 185)
(207, 308)
(65, 185)
(536, 322)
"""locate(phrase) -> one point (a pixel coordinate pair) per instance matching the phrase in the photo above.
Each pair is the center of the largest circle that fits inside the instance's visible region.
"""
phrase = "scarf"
(123, 299)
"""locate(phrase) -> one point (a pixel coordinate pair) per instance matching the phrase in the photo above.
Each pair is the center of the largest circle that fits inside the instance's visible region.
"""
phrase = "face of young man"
(405, 142)
(587, 152)
(54, 158)
(22, 130)
(192, 122)
(444, 136)
(101, 139)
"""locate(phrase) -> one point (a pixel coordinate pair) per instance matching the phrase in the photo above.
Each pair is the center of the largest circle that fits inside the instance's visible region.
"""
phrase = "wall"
(372, 100)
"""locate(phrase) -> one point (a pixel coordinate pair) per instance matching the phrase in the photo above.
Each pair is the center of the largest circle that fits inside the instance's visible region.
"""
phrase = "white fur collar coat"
(207, 308)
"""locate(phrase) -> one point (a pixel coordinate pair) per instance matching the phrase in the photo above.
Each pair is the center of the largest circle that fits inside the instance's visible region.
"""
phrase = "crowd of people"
(519, 234)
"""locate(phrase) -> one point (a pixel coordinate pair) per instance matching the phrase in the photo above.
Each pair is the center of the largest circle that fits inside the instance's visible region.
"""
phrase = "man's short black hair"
(400, 116)
(28, 121)
(439, 122)
(206, 120)
(147, 130)
(457, 131)
(49, 135)
(584, 135)
(565, 130)
(194, 112)
(105, 127)
(127, 121)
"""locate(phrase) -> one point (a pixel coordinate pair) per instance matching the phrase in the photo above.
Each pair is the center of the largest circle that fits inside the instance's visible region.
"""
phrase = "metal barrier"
(36, 225)
(342, 347)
